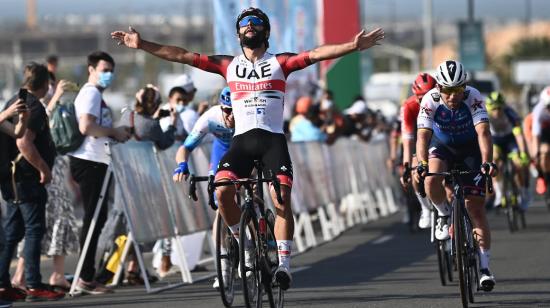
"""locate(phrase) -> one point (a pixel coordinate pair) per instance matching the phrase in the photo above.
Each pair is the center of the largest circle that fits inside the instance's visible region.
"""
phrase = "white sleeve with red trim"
(427, 111)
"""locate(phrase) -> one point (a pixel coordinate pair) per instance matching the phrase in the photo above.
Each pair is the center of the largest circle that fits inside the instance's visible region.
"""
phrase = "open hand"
(131, 39)
(364, 40)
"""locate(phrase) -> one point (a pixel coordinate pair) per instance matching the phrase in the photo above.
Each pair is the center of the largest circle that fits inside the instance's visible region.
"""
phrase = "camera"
(22, 94)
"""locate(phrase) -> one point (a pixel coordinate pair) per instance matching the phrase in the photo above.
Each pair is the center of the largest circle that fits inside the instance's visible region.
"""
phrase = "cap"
(359, 107)
(186, 83)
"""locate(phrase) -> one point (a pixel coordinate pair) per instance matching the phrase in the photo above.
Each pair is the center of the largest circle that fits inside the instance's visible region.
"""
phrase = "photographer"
(24, 189)
(144, 119)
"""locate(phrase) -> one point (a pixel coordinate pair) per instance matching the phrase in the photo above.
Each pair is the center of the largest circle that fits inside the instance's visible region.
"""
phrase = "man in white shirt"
(89, 162)
(179, 99)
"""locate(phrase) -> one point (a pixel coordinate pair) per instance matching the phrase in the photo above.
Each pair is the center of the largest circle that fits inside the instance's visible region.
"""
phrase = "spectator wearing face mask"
(89, 162)
(179, 99)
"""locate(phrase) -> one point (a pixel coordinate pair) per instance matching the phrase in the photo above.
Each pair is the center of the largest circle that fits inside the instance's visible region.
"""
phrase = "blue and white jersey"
(452, 127)
(210, 122)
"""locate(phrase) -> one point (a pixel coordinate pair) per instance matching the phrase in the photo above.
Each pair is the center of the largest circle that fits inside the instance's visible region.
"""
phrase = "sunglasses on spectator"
(452, 90)
(227, 110)
(255, 20)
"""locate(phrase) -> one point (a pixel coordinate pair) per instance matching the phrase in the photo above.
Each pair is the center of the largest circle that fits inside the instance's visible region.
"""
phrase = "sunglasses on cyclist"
(452, 90)
(255, 20)
(227, 110)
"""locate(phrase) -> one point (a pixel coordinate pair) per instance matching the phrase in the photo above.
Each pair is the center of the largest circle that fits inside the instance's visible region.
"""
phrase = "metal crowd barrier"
(338, 186)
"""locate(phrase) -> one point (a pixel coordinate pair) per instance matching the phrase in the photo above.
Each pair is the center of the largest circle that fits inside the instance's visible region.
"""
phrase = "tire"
(224, 236)
(441, 261)
(275, 294)
(252, 286)
(449, 261)
(461, 254)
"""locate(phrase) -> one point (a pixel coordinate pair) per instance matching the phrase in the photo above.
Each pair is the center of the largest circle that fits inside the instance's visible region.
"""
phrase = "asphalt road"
(379, 264)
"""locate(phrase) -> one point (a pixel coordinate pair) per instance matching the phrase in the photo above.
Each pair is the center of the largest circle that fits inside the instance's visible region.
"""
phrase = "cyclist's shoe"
(424, 221)
(283, 277)
(249, 255)
(442, 228)
(486, 280)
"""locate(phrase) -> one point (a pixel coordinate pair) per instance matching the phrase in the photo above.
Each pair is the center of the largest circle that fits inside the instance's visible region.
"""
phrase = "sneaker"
(216, 284)
(93, 288)
(425, 218)
(442, 228)
(249, 256)
(487, 281)
(43, 293)
(541, 186)
(283, 277)
(12, 294)
(225, 276)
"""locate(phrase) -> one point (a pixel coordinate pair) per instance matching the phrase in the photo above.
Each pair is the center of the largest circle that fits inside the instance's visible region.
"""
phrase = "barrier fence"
(335, 187)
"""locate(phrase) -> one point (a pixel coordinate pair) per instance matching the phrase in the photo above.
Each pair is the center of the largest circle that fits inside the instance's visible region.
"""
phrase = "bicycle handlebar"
(212, 186)
(488, 179)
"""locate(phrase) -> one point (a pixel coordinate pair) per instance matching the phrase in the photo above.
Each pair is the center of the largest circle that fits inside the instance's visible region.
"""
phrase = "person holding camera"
(32, 157)
(144, 120)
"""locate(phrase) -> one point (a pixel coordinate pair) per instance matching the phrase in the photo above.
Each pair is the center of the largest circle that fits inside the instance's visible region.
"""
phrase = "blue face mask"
(105, 79)
(180, 108)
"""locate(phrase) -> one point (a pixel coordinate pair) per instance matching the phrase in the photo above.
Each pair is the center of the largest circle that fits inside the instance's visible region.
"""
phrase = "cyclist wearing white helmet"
(454, 125)
(541, 135)
(257, 80)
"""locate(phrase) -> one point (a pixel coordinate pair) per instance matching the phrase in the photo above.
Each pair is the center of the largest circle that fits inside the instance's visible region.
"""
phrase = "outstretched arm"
(132, 39)
(362, 41)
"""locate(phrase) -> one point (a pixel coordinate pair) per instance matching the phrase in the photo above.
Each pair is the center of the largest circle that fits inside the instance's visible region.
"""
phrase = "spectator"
(60, 237)
(52, 61)
(354, 120)
(306, 125)
(89, 162)
(144, 120)
(179, 99)
(34, 155)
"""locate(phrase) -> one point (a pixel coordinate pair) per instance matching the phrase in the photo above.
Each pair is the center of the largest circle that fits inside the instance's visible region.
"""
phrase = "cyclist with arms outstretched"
(257, 80)
(454, 125)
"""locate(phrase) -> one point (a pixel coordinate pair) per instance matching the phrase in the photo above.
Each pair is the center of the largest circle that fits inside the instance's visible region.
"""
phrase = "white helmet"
(450, 74)
(545, 96)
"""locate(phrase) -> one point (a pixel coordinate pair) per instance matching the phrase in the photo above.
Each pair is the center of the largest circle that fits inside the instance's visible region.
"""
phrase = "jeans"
(25, 219)
(90, 176)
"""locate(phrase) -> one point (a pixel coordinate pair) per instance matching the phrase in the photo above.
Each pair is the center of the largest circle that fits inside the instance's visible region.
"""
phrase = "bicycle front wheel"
(461, 251)
(227, 253)
(249, 267)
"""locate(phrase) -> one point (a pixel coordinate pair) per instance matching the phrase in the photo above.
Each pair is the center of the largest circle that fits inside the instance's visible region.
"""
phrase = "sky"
(400, 9)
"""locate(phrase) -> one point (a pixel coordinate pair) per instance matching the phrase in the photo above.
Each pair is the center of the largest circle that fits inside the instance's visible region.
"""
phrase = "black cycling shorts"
(465, 157)
(257, 144)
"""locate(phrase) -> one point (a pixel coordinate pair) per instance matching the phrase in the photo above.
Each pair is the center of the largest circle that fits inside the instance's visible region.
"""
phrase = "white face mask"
(180, 108)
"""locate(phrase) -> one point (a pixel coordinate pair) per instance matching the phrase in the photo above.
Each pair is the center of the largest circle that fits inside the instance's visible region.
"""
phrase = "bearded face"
(252, 37)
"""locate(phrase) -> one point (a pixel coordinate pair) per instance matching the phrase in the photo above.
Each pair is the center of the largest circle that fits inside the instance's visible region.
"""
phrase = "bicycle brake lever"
(193, 188)
(211, 190)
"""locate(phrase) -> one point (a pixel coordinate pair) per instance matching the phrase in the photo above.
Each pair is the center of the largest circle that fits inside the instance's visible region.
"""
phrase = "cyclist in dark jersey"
(453, 124)
(257, 80)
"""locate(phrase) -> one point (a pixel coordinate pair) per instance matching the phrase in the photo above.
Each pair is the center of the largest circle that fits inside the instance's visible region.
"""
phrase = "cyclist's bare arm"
(132, 39)
(408, 145)
(536, 147)
(423, 139)
(362, 41)
(485, 142)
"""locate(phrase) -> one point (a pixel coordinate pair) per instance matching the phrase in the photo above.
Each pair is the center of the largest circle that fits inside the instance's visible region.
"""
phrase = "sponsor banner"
(471, 45)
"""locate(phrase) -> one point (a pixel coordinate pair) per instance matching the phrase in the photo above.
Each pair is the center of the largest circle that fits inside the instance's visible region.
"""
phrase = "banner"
(471, 45)
(341, 22)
